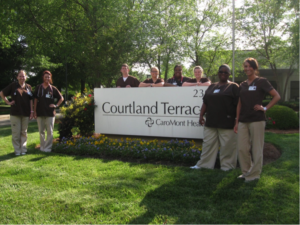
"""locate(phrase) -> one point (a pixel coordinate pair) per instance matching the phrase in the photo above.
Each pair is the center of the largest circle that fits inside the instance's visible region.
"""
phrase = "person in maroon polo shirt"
(198, 80)
(219, 105)
(251, 120)
(20, 112)
(126, 80)
(154, 81)
(177, 80)
(44, 109)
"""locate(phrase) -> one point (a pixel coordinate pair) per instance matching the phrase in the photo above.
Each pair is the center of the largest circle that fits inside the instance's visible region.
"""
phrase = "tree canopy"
(89, 40)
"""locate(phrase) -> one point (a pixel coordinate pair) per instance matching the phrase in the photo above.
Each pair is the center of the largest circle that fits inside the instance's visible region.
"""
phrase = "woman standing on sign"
(44, 109)
(219, 104)
(198, 80)
(155, 81)
(20, 112)
(251, 120)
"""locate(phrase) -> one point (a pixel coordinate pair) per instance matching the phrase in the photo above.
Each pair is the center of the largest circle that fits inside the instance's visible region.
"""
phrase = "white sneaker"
(241, 176)
(195, 167)
(18, 154)
(23, 153)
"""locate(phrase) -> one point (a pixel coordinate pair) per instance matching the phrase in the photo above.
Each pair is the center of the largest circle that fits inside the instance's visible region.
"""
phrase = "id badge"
(216, 90)
(29, 93)
(15, 93)
(252, 88)
(48, 96)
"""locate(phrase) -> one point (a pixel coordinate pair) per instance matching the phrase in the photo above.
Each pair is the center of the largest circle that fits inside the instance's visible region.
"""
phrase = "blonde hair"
(198, 67)
(154, 67)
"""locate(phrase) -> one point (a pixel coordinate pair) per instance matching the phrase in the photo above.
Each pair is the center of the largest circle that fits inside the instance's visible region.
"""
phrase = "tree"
(11, 61)
(265, 26)
(206, 32)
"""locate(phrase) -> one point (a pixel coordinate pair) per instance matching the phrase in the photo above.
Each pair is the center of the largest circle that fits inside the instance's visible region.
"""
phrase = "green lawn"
(53, 188)
(4, 109)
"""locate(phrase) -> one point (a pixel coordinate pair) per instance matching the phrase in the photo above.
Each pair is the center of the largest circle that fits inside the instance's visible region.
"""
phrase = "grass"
(55, 188)
(4, 109)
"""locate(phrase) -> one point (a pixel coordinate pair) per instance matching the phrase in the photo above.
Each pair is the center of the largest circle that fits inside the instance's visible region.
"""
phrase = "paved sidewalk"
(5, 119)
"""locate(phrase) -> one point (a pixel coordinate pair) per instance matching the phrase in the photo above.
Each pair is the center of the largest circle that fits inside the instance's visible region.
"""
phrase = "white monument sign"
(159, 112)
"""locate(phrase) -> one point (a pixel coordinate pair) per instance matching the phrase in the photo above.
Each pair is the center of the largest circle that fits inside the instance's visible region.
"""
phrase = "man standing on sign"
(177, 80)
(126, 80)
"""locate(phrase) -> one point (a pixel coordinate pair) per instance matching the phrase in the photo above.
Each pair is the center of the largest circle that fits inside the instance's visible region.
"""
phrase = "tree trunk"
(167, 67)
(82, 86)
(290, 73)
(197, 63)
(159, 66)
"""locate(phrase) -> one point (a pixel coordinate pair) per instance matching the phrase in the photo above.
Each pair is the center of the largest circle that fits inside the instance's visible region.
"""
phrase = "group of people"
(235, 121)
(26, 105)
(232, 115)
(177, 80)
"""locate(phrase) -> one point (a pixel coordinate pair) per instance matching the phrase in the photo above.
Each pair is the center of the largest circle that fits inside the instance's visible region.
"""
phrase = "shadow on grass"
(202, 196)
(8, 156)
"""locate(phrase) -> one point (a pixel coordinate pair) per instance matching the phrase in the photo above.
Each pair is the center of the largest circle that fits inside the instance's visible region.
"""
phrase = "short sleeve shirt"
(178, 82)
(221, 102)
(150, 81)
(202, 80)
(21, 96)
(46, 97)
(251, 95)
(132, 81)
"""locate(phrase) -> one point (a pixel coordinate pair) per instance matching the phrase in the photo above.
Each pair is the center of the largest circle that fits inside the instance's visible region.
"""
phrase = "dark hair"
(177, 65)
(253, 63)
(226, 66)
(49, 73)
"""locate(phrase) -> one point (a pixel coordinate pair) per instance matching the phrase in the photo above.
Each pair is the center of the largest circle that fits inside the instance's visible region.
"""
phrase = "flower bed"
(102, 146)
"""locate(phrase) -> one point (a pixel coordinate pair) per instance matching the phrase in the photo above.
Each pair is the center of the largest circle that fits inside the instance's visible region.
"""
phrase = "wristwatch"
(56, 106)
(265, 108)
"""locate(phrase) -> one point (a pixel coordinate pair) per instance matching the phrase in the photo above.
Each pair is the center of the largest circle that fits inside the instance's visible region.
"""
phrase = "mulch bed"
(277, 131)
(270, 154)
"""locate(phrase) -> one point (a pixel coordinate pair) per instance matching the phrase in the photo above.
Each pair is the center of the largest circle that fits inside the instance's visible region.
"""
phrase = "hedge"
(283, 117)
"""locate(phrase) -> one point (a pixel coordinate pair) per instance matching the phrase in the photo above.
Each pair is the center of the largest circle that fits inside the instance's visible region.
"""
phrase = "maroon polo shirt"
(202, 80)
(132, 81)
(150, 81)
(178, 82)
(45, 97)
(221, 102)
(251, 95)
(21, 96)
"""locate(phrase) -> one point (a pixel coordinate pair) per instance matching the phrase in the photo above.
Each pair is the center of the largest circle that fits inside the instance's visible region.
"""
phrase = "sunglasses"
(223, 72)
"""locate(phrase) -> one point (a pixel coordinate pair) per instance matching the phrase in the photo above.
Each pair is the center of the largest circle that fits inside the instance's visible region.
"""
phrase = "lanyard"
(26, 87)
(176, 80)
(41, 86)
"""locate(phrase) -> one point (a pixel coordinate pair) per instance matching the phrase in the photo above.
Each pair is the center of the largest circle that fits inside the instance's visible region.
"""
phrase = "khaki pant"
(19, 125)
(48, 124)
(212, 140)
(251, 140)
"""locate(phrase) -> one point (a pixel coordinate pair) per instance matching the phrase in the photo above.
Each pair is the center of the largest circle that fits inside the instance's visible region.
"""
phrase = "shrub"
(291, 104)
(265, 102)
(283, 117)
(173, 150)
(79, 113)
